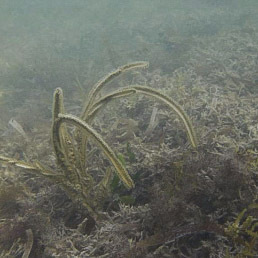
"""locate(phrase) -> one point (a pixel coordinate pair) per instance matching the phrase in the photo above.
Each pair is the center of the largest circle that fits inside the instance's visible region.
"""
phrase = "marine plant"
(243, 232)
(70, 148)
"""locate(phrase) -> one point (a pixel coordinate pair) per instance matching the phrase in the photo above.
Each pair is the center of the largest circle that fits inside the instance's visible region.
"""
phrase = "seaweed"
(243, 232)
(70, 150)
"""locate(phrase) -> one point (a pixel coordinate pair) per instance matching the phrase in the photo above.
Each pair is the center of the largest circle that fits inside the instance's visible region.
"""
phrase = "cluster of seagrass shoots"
(70, 149)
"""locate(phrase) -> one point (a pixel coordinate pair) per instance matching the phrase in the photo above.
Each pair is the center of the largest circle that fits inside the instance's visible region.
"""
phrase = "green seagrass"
(70, 150)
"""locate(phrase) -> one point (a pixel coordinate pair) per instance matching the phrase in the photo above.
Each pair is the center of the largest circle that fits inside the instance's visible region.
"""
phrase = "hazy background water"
(51, 43)
(202, 53)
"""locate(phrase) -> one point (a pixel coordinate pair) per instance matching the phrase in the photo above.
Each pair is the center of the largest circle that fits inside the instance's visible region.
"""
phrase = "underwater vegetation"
(163, 199)
(243, 231)
(70, 150)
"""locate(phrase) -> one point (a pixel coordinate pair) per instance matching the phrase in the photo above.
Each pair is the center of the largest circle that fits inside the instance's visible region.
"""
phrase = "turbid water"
(148, 147)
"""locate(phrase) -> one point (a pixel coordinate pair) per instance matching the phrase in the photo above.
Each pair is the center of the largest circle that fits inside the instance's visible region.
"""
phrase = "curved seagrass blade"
(90, 132)
(34, 167)
(18, 163)
(102, 82)
(66, 155)
(58, 107)
(152, 93)
(82, 139)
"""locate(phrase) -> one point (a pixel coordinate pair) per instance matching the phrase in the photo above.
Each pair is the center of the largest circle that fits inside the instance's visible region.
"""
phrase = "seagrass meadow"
(103, 155)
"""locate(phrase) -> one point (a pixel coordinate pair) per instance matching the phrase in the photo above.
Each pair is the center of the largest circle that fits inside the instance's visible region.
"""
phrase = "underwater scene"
(128, 129)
